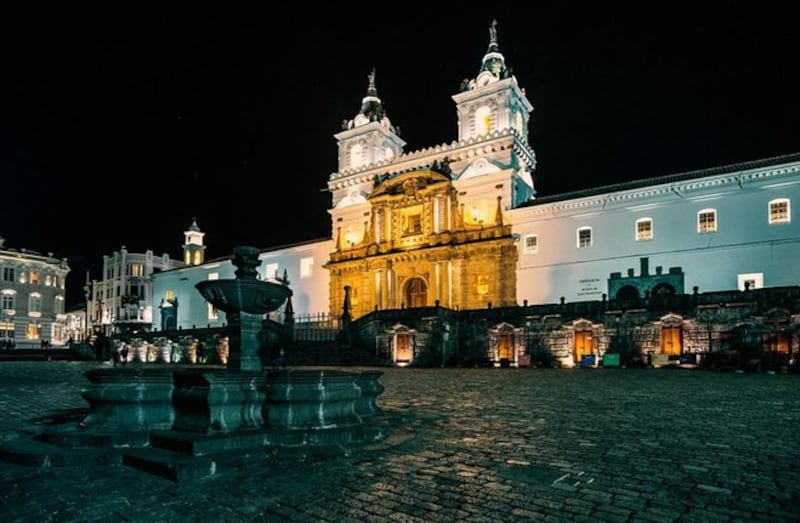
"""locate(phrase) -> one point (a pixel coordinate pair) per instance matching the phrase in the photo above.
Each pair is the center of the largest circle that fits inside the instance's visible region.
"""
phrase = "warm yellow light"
(482, 286)
(476, 214)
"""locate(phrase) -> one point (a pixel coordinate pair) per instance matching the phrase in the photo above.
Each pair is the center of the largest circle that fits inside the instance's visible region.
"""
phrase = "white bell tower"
(193, 248)
(493, 105)
(370, 136)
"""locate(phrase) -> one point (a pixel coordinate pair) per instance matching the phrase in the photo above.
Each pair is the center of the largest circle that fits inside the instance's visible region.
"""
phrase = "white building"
(31, 298)
(123, 300)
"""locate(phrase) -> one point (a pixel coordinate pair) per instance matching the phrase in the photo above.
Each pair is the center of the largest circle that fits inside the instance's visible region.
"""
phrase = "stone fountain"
(190, 421)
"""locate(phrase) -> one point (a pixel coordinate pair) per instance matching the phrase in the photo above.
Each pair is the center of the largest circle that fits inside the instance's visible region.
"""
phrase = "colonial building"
(123, 300)
(31, 298)
(460, 226)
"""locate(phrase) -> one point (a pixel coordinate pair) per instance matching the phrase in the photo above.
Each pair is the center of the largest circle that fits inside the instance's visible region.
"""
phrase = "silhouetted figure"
(124, 354)
(201, 352)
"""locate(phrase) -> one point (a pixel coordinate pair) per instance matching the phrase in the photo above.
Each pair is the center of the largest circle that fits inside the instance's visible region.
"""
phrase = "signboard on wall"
(589, 288)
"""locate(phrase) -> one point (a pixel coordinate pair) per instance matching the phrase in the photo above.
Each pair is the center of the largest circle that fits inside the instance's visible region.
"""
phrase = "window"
(34, 277)
(483, 120)
(7, 301)
(482, 285)
(170, 295)
(271, 271)
(707, 221)
(136, 270)
(8, 273)
(750, 281)
(411, 220)
(187, 257)
(414, 224)
(531, 243)
(584, 237)
(779, 211)
(35, 304)
(644, 229)
(198, 257)
(357, 156)
(306, 264)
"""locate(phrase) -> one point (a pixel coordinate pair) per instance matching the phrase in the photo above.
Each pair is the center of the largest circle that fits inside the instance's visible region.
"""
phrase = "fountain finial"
(245, 258)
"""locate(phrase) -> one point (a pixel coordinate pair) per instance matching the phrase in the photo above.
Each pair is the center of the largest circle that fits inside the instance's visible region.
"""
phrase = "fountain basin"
(129, 399)
(249, 296)
(320, 399)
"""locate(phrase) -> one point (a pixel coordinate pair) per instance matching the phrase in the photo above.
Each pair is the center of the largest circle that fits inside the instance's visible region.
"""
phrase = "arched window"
(356, 155)
(416, 293)
(483, 120)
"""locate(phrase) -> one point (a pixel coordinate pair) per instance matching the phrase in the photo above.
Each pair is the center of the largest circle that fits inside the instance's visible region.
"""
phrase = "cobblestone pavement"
(477, 445)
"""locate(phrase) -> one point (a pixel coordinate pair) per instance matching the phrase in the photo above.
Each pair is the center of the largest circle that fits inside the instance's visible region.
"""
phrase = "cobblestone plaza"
(473, 445)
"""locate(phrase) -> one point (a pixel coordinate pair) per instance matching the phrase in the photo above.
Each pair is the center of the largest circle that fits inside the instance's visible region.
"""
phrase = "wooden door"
(583, 344)
(671, 341)
(403, 347)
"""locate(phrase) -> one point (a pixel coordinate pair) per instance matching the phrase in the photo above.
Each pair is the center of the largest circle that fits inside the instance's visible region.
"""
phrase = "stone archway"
(628, 292)
(663, 289)
(416, 293)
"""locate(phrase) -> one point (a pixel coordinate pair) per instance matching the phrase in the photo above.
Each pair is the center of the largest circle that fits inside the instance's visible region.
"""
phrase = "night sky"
(116, 128)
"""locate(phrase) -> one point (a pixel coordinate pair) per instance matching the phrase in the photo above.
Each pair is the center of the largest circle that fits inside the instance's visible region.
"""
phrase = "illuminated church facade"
(461, 226)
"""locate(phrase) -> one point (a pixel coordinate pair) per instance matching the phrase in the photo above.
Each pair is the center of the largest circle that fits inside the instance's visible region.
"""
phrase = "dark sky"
(116, 128)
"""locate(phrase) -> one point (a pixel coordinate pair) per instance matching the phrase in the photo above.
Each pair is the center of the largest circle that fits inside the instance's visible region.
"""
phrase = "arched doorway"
(416, 294)
(671, 340)
(628, 292)
(403, 348)
(503, 345)
(663, 289)
(584, 341)
(402, 345)
(672, 335)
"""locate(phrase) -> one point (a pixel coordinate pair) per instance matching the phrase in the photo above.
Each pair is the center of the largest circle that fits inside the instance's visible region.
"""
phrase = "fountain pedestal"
(218, 401)
(244, 330)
